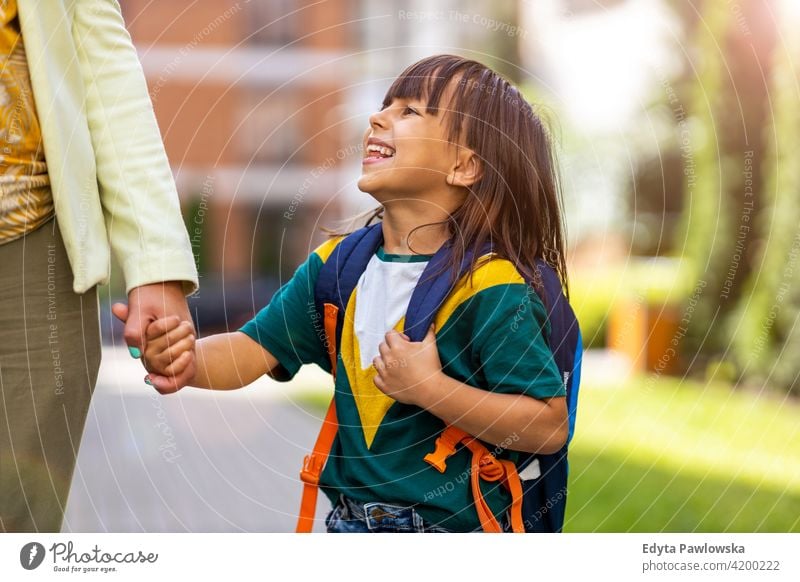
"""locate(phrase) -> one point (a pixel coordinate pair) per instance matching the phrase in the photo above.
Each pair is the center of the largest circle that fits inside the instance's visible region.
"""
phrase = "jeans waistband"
(380, 516)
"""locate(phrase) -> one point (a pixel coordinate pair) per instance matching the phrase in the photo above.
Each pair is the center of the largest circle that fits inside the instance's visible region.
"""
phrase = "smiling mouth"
(375, 152)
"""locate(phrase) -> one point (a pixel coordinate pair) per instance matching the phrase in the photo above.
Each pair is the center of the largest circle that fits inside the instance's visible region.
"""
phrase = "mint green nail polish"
(147, 381)
(134, 352)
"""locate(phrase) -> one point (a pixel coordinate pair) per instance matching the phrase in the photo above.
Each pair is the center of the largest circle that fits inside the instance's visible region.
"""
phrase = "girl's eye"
(410, 110)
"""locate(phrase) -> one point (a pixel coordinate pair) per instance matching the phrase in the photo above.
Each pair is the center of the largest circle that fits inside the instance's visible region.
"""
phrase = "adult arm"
(137, 190)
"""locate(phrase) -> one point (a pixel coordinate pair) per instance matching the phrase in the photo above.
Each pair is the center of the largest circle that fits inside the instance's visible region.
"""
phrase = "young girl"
(454, 156)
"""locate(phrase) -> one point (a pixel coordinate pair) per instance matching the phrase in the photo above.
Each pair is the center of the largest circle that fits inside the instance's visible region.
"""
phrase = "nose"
(377, 120)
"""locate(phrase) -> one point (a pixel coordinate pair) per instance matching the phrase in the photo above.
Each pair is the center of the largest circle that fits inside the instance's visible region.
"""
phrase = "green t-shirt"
(489, 335)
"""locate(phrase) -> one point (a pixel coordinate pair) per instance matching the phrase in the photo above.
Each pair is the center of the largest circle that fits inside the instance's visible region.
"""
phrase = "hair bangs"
(428, 80)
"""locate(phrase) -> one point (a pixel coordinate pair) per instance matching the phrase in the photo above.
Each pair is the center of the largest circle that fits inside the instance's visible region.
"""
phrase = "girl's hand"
(146, 304)
(406, 368)
(169, 349)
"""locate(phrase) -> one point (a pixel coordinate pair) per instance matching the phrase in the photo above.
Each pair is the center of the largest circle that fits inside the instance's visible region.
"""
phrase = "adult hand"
(146, 304)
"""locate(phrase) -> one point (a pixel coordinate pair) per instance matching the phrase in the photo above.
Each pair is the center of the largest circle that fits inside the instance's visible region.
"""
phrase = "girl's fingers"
(176, 335)
(156, 346)
(393, 336)
(178, 365)
(161, 326)
(162, 384)
(159, 354)
(176, 350)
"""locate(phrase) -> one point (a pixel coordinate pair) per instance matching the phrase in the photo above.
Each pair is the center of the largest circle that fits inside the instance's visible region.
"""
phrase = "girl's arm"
(528, 424)
(410, 372)
(230, 360)
(223, 362)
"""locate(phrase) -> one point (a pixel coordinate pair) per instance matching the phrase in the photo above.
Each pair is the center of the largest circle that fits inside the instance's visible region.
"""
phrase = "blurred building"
(246, 95)
(262, 105)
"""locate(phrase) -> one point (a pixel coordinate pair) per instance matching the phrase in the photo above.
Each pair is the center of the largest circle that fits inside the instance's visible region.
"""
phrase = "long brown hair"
(516, 203)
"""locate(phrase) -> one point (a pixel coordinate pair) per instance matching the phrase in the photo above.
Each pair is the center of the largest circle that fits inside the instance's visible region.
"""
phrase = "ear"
(466, 170)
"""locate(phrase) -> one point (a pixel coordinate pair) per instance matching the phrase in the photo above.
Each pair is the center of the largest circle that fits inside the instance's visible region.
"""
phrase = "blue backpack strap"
(545, 497)
(339, 275)
(432, 289)
(565, 338)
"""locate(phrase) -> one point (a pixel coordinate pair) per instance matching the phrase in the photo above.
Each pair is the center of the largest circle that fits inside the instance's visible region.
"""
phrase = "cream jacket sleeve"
(136, 186)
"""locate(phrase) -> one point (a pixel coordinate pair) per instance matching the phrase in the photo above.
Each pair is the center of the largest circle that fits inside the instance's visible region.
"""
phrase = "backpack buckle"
(312, 468)
(445, 447)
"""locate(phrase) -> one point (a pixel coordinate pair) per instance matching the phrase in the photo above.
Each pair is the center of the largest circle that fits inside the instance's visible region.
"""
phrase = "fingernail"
(147, 381)
(134, 352)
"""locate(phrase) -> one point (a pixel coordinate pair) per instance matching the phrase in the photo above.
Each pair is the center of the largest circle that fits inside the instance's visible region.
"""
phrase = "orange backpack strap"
(315, 462)
(484, 466)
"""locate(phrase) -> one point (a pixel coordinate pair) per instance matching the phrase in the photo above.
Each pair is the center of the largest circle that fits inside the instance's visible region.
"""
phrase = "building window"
(272, 22)
(271, 128)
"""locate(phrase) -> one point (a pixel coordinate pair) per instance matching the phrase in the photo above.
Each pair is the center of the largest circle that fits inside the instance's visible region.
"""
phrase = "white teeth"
(384, 151)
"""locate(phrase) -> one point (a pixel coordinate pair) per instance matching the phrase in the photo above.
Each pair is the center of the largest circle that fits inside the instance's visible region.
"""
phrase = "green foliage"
(592, 297)
(764, 328)
(705, 235)
(741, 216)
(654, 281)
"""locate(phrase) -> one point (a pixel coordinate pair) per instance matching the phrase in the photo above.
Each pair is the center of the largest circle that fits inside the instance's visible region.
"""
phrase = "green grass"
(608, 493)
(660, 454)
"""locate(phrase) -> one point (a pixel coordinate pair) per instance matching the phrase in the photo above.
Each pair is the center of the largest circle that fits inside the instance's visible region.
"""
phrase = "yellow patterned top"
(25, 197)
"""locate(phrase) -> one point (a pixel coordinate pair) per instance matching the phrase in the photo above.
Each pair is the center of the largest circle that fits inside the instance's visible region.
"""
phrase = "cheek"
(423, 155)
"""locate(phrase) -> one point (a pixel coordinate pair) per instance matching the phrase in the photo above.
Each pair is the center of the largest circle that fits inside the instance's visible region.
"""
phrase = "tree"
(765, 326)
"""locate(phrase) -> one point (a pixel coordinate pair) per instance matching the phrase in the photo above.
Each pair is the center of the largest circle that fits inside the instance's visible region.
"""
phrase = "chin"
(378, 194)
(368, 184)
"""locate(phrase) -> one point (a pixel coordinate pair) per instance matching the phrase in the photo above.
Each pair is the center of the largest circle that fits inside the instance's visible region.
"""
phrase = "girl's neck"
(399, 221)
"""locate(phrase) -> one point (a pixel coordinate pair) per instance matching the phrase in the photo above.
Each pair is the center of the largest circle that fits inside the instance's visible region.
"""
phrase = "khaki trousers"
(49, 359)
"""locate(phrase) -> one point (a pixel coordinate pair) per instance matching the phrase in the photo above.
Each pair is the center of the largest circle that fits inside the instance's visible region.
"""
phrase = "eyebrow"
(407, 100)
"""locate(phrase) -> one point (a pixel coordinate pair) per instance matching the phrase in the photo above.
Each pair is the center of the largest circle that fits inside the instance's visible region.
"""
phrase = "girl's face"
(406, 152)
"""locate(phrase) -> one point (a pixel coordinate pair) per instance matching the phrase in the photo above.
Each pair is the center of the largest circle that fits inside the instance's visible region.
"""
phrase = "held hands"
(168, 352)
(407, 370)
(146, 305)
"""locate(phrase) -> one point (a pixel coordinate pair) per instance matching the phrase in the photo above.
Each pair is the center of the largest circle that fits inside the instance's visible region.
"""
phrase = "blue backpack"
(544, 495)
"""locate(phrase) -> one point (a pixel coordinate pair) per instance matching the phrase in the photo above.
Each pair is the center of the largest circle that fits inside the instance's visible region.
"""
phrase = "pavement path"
(193, 461)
